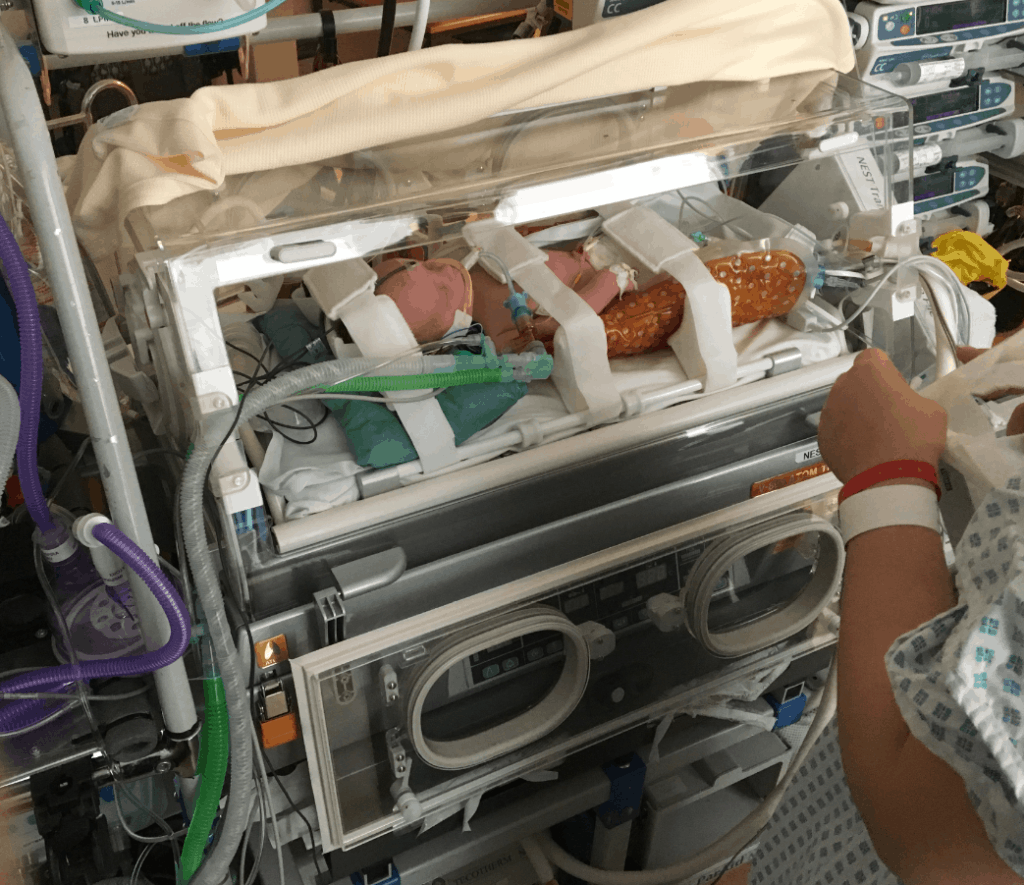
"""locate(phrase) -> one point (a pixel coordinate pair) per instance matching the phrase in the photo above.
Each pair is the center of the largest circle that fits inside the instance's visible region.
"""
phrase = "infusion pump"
(65, 28)
(887, 36)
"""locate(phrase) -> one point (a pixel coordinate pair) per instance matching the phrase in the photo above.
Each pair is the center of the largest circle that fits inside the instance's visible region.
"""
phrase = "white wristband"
(888, 506)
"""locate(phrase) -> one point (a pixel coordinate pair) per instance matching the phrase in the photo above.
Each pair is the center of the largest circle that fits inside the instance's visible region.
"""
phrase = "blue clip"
(627, 792)
(391, 878)
(32, 59)
(790, 708)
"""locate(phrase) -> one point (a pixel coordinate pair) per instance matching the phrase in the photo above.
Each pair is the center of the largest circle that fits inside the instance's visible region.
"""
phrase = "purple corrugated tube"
(31, 387)
(21, 714)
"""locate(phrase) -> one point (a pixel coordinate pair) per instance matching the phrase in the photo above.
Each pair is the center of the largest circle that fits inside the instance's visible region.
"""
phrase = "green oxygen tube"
(212, 766)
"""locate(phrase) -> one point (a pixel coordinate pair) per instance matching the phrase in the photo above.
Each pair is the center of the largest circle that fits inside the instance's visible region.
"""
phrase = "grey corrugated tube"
(204, 572)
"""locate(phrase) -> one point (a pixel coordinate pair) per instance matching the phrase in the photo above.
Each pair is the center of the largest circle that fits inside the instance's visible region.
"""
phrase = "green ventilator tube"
(368, 383)
(213, 766)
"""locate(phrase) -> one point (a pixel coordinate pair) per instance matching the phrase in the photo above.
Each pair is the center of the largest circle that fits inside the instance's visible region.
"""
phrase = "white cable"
(542, 718)
(541, 865)
(795, 616)
(257, 800)
(357, 397)
(568, 425)
(926, 265)
(725, 848)
(262, 771)
(843, 326)
(419, 25)
(1012, 246)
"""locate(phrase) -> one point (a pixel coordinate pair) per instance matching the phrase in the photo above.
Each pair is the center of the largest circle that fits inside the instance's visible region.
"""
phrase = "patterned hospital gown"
(817, 836)
(958, 683)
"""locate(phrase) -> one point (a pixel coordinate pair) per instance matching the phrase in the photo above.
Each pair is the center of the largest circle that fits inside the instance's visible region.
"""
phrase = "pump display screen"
(945, 104)
(937, 184)
(963, 14)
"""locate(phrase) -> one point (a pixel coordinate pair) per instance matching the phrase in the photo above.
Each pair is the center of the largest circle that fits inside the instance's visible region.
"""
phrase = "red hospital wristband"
(891, 470)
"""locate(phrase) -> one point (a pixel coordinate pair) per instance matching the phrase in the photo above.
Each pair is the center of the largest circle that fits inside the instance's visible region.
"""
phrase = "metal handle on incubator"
(84, 117)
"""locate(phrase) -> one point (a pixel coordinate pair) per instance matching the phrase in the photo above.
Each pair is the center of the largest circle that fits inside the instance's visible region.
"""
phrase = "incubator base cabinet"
(562, 491)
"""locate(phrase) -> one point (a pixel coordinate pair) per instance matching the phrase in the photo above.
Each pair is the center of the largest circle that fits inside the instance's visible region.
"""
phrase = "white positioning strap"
(344, 292)
(703, 343)
(888, 506)
(545, 716)
(581, 374)
(799, 613)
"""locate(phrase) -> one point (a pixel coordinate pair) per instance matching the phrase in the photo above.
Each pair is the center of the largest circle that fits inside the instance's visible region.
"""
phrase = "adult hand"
(872, 416)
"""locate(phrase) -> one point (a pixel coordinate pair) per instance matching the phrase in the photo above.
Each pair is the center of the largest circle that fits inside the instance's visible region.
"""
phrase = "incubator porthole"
(750, 591)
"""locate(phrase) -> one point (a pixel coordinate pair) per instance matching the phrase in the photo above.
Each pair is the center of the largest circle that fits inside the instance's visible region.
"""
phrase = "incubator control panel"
(619, 602)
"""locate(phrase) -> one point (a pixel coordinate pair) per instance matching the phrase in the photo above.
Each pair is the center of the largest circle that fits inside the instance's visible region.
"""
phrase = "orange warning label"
(788, 479)
(564, 8)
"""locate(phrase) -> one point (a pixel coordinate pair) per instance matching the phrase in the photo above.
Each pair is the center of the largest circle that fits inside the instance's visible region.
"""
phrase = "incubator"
(525, 464)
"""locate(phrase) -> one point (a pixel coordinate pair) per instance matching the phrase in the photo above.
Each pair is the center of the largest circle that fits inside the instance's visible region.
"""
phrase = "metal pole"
(52, 223)
(305, 27)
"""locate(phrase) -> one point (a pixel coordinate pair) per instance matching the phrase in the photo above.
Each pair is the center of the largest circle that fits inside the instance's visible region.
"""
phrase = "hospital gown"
(957, 680)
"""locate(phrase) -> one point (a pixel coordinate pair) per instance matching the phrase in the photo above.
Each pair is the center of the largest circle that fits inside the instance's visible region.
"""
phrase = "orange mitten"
(762, 285)
(641, 322)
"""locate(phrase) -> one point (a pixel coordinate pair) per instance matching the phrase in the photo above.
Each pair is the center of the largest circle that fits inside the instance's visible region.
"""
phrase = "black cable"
(407, 265)
(279, 426)
(234, 423)
(266, 760)
(387, 27)
(310, 425)
(286, 365)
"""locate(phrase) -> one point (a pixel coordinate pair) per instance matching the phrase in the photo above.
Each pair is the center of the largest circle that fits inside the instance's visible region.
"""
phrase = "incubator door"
(411, 722)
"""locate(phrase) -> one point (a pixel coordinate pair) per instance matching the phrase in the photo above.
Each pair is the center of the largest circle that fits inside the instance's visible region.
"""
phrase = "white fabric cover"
(157, 152)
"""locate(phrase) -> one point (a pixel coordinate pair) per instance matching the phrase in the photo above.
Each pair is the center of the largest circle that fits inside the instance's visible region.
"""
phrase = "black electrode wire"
(266, 760)
(268, 375)
(387, 27)
(231, 430)
(310, 425)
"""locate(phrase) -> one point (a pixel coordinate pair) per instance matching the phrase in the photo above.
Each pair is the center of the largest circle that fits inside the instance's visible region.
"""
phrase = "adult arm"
(914, 805)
